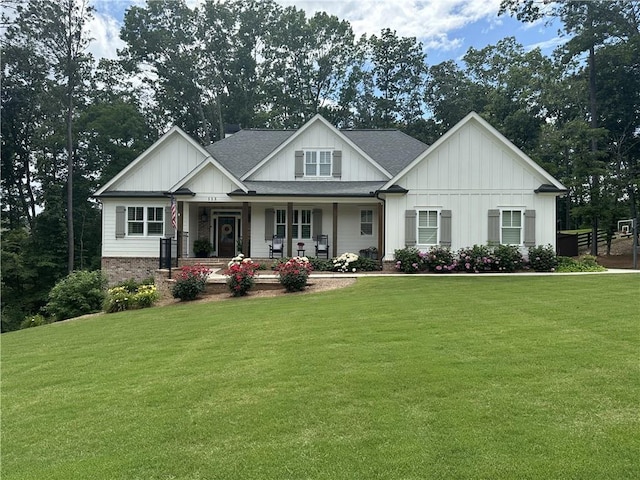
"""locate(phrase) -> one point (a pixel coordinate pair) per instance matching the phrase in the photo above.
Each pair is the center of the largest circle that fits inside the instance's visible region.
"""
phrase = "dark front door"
(226, 236)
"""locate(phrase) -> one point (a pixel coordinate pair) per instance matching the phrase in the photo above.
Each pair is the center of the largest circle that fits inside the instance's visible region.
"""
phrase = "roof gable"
(172, 156)
(497, 139)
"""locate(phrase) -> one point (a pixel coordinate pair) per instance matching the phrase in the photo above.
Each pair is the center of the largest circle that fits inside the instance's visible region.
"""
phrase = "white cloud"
(105, 31)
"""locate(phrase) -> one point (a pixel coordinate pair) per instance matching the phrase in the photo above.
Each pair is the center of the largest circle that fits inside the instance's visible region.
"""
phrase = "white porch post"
(185, 228)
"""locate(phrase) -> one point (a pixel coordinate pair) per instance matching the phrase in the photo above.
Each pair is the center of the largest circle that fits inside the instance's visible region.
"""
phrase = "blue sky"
(447, 28)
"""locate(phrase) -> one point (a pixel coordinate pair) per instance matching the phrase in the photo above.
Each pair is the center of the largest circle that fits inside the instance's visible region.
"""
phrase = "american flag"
(174, 213)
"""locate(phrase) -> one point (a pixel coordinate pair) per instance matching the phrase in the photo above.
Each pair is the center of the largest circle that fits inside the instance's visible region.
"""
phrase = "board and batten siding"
(471, 173)
(168, 163)
(210, 181)
(282, 166)
(128, 246)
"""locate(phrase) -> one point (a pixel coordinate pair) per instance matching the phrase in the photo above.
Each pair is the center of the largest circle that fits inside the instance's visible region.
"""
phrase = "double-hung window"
(511, 227)
(145, 221)
(366, 223)
(155, 221)
(301, 224)
(317, 163)
(281, 223)
(427, 227)
(135, 221)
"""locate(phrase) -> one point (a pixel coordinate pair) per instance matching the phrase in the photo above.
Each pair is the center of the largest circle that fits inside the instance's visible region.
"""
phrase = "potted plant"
(202, 248)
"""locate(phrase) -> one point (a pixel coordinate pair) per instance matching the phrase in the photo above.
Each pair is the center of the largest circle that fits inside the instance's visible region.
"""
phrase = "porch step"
(211, 263)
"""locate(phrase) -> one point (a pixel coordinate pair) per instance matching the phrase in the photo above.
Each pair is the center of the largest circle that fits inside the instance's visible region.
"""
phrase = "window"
(138, 225)
(427, 227)
(366, 222)
(317, 163)
(135, 221)
(155, 221)
(301, 224)
(511, 231)
(281, 223)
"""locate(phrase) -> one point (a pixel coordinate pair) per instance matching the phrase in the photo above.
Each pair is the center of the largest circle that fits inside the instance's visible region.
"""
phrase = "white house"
(360, 188)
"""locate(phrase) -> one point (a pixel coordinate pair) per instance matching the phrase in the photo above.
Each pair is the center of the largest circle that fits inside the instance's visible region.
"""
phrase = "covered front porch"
(225, 229)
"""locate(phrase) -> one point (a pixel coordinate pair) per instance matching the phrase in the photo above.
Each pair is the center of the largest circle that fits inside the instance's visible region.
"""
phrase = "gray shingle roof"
(392, 149)
(242, 151)
(239, 153)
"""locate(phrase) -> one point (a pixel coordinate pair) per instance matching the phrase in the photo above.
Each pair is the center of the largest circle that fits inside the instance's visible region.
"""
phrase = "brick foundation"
(119, 269)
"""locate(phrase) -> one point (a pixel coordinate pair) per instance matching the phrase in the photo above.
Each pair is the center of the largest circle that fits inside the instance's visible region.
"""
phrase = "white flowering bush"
(347, 262)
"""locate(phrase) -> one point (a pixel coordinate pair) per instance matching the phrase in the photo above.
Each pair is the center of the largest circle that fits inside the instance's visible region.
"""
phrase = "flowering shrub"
(345, 262)
(507, 258)
(190, 282)
(475, 259)
(439, 260)
(543, 258)
(293, 273)
(409, 260)
(240, 272)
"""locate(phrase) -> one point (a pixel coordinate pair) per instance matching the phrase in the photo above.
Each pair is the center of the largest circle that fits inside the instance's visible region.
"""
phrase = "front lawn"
(461, 377)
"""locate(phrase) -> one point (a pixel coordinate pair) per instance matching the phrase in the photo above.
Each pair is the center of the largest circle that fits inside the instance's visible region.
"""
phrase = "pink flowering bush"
(409, 260)
(240, 274)
(190, 282)
(475, 259)
(294, 273)
(440, 260)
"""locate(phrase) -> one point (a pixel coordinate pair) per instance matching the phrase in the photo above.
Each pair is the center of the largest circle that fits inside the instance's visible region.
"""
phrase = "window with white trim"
(301, 225)
(135, 220)
(155, 221)
(281, 223)
(366, 223)
(511, 227)
(143, 221)
(317, 163)
(427, 227)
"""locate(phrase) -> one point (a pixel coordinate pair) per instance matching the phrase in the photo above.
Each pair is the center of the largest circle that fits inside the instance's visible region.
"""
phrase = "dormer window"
(317, 163)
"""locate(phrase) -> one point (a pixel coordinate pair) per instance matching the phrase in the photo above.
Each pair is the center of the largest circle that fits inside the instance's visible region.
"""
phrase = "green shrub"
(409, 260)
(478, 258)
(507, 258)
(77, 294)
(130, 295)
(364, 264)
(190, 282)
(543, 258)
(34, 321)
(586, 263)
(321, 264)
(440, 260)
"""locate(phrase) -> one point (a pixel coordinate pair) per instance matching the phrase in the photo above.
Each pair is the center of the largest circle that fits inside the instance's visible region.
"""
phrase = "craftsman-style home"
(321, 187)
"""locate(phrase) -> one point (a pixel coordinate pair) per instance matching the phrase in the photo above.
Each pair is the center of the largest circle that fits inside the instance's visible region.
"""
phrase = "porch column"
(183, 219)
(380, 231)
(334, 240)
(289, 228)
(246, 232)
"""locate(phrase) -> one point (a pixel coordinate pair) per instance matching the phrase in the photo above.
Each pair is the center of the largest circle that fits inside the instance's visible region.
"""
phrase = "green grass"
(410, 378)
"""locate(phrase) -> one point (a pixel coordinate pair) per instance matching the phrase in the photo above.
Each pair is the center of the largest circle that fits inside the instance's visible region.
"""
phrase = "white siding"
(211, 181)
(355, 167)
(470, 174)
(129, 246)
(163, 167)
(349, 238)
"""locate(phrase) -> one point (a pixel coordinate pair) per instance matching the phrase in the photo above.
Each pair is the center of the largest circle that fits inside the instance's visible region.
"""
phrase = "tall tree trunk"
(595, 187)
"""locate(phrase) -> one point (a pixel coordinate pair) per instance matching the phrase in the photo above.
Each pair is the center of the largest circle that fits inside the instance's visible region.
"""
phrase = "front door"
(226, 237)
